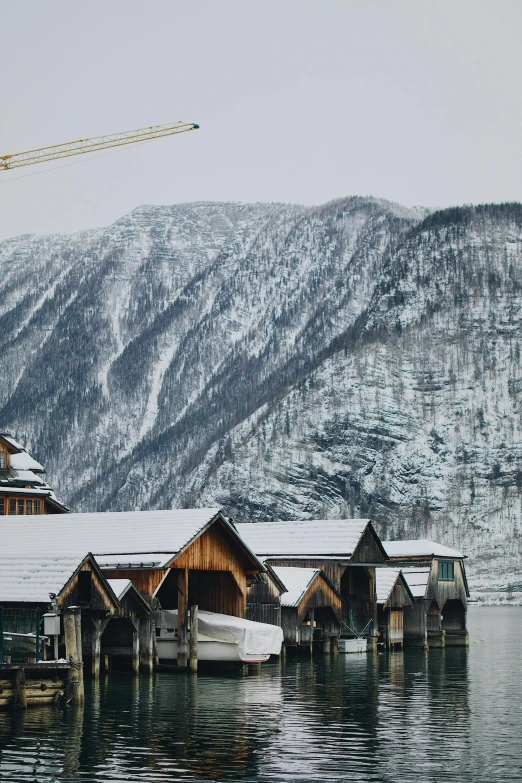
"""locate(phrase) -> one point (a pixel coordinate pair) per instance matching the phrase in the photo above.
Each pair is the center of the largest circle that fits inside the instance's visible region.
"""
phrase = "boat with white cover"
(221, 637)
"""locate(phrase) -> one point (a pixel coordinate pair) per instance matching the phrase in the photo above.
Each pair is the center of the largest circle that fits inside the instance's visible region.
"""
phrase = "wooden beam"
(193, 661)
(20, 697)
(72, 627)
(96, 634)
(147, 633)
(182, 616)
(136, 647)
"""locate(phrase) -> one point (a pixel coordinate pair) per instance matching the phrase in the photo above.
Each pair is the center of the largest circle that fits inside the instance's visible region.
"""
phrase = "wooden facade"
(391, 611)
(315, 618)
(438, 616)
(211, 572)
(353, 578)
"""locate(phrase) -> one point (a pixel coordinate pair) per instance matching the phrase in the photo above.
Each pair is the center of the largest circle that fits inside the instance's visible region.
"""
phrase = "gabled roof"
(118, 536)
(328, 539)
(417, 579)
(23, 461)
(32, 578)
(121, 587)
(419, 548)
(277, 581)
(385, 581)
(12, 444)
(297, 581)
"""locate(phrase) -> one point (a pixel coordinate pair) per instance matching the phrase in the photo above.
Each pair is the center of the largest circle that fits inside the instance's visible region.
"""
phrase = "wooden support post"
(193, 661)
(136, 646)
(182, 617)
(312, 620)
(20, 695)
(155, 644)
(96, 634)
(72, 627)
(147, 633)
(106, 664)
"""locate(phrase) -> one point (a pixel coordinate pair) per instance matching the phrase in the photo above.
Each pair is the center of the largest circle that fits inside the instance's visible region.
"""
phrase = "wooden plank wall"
(100, 600)
(147, 580)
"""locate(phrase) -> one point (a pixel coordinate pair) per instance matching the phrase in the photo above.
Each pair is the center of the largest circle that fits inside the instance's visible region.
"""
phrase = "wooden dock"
(25, 685)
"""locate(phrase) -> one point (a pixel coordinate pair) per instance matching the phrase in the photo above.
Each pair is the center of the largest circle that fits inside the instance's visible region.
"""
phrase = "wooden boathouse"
(175, 559)
(50, 608)
(348, 551)
(393, 596)
(311, 608)
(437, 579)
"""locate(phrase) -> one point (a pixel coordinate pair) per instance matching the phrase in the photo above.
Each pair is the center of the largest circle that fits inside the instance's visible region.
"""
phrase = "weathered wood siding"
(415, 624)
(263, 601)
(216, 591)
(213, 552)
(73, 595)
(368, 550)
(446, 590)
(147, 581)
(332, 568)
(319, 595)
(399, 597)
(264, 613)
(395, 626)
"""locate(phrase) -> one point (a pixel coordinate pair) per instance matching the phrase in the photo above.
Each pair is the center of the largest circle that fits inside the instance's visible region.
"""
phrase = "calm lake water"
(449, 715)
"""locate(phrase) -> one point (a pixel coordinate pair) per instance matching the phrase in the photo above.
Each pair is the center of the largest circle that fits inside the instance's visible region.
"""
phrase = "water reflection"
(392, 718)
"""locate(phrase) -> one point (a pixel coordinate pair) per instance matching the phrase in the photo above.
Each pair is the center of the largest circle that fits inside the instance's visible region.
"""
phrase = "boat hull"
(353, 645)
(212, 650)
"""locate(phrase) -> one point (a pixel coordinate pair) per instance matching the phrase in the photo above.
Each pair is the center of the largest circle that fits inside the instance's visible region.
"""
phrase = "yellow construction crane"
(81, 147)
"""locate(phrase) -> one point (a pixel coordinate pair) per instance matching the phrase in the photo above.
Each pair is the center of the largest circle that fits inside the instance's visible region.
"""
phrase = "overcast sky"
(298, 101)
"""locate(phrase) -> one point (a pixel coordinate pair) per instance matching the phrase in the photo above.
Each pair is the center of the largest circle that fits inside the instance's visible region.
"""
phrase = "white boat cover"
(252, 639)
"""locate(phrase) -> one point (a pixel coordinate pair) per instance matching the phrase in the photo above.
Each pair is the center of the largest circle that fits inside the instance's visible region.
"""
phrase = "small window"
(446, 570)
(12, 506)
(3, 461)
(28, 506)
(36, 506)
(20, 506)
(2, 506)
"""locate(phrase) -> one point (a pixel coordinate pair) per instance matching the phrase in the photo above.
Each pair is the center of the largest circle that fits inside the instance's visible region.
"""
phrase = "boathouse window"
(446, 570)
(3, 461)
(12, 506)
(2, 506)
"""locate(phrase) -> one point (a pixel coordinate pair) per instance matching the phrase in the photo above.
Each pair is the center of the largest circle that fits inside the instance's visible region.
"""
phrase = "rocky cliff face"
(356, 359)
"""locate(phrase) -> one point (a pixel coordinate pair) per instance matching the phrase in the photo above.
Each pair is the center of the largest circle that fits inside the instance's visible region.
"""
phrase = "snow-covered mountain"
(354, 359)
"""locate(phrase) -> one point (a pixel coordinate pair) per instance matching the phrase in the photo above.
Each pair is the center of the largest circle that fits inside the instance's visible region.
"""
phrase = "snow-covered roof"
(324, 538)
(27, 476)
(419, 548)
(385, 580)
(417, 579)
(24, 461)
(105, 533)
(119, 586)
(139, 560)
(297, 581)
(12, 442)
(31, 577)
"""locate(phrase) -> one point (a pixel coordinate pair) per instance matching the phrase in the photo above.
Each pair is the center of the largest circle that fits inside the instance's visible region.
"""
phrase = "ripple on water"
(448, 715)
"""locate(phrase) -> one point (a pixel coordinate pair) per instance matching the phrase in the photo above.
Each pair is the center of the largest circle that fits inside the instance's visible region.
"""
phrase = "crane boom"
(83, 146)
